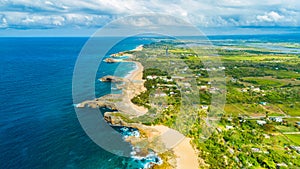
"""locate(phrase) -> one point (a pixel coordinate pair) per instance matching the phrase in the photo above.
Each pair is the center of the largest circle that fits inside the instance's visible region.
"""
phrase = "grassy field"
(264, 81)
(294, 137)
(244, 109)
(283, 74)
(291, 109)
(287, 128)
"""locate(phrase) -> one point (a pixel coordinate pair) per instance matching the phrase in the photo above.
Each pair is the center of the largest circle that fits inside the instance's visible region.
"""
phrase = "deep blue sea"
(38, 125)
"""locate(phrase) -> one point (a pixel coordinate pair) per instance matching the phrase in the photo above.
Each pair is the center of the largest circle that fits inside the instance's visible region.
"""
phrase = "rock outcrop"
(111, 60)
(114, 120)
(108, 101)
(113, 79)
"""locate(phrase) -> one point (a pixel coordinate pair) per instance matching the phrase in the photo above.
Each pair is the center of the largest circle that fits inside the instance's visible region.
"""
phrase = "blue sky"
(83, 17)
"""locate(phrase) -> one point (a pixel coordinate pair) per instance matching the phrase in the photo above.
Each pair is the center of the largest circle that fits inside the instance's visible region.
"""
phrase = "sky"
(83, 17)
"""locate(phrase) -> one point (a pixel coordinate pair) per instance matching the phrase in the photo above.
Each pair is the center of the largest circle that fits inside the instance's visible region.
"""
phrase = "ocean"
(38, 125)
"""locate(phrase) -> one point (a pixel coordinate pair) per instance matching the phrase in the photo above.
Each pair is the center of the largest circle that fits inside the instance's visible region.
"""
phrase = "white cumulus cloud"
(270, 17)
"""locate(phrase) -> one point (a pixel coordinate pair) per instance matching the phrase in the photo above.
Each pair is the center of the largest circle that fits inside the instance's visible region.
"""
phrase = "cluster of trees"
(233, 148)
(153, 71)
(240, 72)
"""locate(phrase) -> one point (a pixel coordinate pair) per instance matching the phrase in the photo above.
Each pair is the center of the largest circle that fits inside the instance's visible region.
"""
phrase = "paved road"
(291, 132)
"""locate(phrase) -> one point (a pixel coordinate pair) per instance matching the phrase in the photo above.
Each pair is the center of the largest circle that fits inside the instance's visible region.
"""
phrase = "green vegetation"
(263, 82)
(246, 145)
(294, 137)
(260, 84)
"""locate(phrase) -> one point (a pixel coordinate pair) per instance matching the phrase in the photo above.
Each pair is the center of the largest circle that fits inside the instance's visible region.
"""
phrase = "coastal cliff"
(156, 138)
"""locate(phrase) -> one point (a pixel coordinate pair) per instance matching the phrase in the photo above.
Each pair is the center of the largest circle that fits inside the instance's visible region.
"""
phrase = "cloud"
(28, 14)
(21, 20)
(270, 17)
(3, 22)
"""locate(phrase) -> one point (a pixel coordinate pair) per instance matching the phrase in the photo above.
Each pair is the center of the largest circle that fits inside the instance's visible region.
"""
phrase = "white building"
(257, 89)
(160, 94)
(205, 107)
(255, 150)
(151, 77)
(229, 127)
(203, 87)
(276, 119)
(261, 122)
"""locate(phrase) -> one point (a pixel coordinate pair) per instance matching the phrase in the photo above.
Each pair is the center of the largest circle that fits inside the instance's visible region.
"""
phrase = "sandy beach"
(134, 86)
(139, 48)
(186, 156)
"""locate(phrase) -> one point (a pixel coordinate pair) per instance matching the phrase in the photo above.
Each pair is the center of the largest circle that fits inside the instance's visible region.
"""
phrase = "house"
(160, 94)
(205, 107)
(297, 148)
(266, 136)
(257, 89)
(255, 150)
(229, 127)
(222, 68)
(151, 77)
(169, 80)
(261, 122)
(279, 165)
(276, 119)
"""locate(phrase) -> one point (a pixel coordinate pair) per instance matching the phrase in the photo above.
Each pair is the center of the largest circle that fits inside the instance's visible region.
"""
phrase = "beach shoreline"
(186, 156)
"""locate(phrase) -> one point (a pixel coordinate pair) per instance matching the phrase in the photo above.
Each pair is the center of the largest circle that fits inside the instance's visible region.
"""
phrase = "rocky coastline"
(151, 136)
